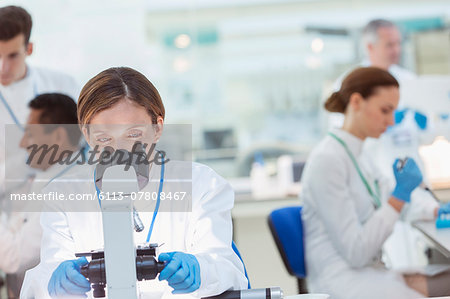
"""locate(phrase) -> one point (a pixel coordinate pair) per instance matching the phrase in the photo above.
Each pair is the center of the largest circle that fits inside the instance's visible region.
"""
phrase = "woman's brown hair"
(365, 81)
(113, 85)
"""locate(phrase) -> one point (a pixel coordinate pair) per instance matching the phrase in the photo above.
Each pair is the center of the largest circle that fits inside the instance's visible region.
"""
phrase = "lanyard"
(375, 197)
(158, 200)
(11, 112)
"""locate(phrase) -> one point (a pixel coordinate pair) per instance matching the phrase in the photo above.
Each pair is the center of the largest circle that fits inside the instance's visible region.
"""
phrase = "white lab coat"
(19, 94)
(21, 233)
(36, 81)
(206, 232)
(22, 228)
(401, 140)
(344, 234)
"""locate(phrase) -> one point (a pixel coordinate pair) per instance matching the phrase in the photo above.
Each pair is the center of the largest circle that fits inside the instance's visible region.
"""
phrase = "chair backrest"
(233, 245)
(287, 230)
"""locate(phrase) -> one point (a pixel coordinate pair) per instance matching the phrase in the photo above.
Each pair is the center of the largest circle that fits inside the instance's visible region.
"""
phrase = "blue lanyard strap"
(375, 197)
(11, 112)
(158, 200)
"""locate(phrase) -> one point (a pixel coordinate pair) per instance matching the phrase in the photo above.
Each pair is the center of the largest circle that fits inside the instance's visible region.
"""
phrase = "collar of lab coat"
(354, 144)
(20, 83)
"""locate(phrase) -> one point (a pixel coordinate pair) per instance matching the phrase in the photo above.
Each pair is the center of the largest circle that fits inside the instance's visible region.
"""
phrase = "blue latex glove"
(407, 179)
(421, 120)
(444, 209)
(67, 280)
(399, 115)
(182, 271)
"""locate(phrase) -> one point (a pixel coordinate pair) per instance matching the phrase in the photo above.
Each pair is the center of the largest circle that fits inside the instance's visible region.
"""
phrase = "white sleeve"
(210, 236)
(72, 88)
(57, 246)
(385, 183)
(32, 285)
(67, 85)
(57, 242)
(55, 81)
(422, 206)
(19, 246)
(10, 243)
(358, 243)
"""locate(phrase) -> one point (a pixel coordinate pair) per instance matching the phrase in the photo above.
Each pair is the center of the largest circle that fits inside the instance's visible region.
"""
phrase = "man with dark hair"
(15, 30)
(52, 121)
(15, 74)
(20, 82)
(56, 109)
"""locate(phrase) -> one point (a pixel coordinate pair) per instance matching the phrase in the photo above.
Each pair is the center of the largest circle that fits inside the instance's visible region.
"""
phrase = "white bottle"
(285, 174)
(258, 180)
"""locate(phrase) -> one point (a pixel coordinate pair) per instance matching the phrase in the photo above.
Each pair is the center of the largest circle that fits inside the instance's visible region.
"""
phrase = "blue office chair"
(239, 255)
(287, 231)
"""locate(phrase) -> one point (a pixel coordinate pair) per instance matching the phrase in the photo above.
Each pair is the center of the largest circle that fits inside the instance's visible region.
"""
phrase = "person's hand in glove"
(408, 178)
(399, 115)
(182, 272)
(67, 280)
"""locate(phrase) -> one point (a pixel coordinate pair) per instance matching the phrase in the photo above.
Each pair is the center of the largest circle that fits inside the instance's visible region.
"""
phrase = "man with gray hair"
(382, 44)
(382, 41)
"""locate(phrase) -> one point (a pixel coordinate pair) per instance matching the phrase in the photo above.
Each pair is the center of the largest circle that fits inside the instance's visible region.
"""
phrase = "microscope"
(121, 264)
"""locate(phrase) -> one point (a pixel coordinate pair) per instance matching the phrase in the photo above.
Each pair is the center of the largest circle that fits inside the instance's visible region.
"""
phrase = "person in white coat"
(197, 243)
(20, 230)
(349, 207)
(19, 81)
(382, 43)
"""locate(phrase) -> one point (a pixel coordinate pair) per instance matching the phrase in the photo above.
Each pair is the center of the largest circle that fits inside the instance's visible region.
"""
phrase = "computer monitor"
(219, 139)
